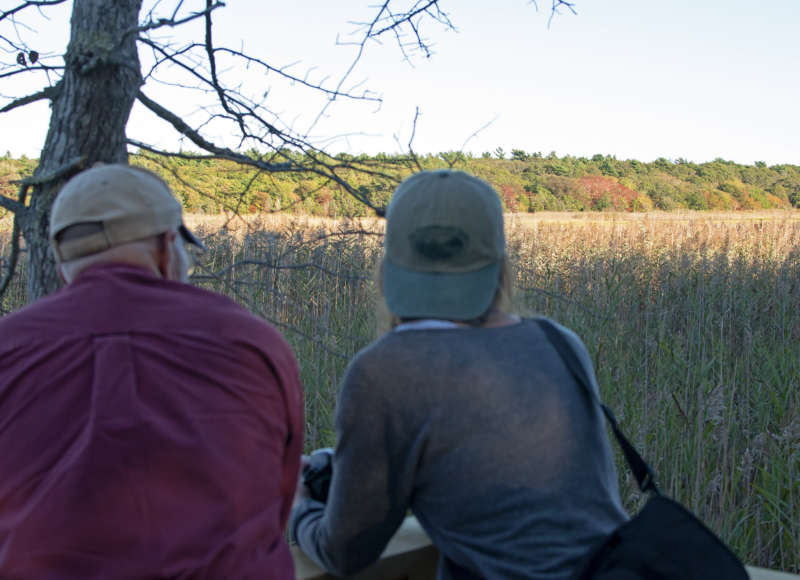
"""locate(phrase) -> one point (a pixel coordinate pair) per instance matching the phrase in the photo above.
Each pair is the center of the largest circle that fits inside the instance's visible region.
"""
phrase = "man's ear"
(60, 273)
(59, 269)
(165, 255)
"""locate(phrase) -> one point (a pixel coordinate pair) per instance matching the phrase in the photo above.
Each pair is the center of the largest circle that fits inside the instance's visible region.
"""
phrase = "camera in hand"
(318, 473)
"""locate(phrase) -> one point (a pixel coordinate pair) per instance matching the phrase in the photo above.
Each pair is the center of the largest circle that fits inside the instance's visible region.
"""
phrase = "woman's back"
(485, 434)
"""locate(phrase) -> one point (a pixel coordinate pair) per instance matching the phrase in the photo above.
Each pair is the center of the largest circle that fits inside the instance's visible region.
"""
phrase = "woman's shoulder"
(574, 341)
(565, 331)
(382, 351)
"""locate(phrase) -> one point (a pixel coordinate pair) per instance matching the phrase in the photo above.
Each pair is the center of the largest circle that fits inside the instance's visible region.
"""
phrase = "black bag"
(663, 541)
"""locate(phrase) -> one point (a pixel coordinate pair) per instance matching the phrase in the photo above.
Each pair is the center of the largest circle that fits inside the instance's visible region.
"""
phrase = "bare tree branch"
(65, 170)
(452, 157)
(174, 21)
(476, 132)
(28, 4)
(349, 71)
(249, 108)
(46, 93)
(398, 20)
(247, 115)
(385, 21)
(184, 129)
(212, 65)
(11, 205)
(163, 153)
(364, 96)
(23, 57)
(317, 166)
(161, 56)
(412, 155)
(45, 68)
(558, 4)
(174, 56)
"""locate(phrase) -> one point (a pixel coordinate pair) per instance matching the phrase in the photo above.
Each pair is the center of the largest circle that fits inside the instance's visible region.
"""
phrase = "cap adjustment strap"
(83, 246)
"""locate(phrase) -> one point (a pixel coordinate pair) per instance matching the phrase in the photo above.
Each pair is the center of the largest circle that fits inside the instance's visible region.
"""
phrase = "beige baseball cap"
(444, 246)
(130, 203)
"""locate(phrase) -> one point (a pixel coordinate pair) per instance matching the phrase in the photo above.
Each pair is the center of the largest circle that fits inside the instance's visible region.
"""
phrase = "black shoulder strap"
(641, 471)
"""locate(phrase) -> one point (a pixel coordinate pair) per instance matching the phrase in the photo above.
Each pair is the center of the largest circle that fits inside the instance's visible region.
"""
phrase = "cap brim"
(188, 236)
(461, 296)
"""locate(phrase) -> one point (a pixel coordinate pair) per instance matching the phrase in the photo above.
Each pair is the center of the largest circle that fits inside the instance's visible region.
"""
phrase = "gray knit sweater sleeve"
(370, 493)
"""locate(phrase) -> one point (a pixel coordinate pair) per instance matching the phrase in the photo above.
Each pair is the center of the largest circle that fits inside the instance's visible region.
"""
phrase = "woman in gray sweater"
(463, 413)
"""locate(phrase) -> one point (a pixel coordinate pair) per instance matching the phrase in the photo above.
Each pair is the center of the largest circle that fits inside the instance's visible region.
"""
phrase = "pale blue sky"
(637, 79)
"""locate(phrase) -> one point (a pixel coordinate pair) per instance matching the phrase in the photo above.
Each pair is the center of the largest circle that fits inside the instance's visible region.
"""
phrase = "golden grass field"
(693, 320)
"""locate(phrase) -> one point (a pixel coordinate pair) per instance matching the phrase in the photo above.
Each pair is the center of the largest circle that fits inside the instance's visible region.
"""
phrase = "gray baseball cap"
(444, 246)
(130, 203)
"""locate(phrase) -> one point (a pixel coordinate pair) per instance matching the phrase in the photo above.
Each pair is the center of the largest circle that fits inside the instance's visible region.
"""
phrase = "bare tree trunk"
(90, 110)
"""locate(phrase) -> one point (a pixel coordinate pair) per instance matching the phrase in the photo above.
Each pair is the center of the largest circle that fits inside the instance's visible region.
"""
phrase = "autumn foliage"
(526, 183)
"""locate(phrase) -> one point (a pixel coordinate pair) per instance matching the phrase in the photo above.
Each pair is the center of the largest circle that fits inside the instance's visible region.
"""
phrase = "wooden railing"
(411, 556)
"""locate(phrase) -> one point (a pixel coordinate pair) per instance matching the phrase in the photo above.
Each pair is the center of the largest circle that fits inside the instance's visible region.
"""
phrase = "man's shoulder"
(218, 311)
(141, 303)
(33, 313)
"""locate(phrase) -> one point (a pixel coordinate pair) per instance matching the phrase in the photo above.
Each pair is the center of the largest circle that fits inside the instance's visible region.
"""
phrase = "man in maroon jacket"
(148, 429)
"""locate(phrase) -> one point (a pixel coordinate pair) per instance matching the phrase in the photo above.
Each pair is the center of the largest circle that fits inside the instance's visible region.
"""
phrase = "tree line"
(527, 182)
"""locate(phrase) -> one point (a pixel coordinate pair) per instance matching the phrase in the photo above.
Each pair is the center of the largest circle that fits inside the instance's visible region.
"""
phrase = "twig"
(173, 22)
(411, 152)
(11, 205)
(44, 68)
(28, 4)
(364, 96)
(184, 129)
(558, 4)
(351, 68)
(477, 132)
(65, 170)
(212, 65)
(407, 18)
(318, 166)
(22, 101)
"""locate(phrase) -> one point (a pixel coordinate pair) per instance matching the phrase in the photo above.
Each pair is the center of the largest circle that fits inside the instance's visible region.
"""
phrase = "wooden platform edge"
(766, 574)
(410, 555)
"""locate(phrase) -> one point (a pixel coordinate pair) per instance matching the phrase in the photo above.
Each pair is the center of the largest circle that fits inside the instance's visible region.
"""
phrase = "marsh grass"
(15, 294)
(694, 327)
(693, 321)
